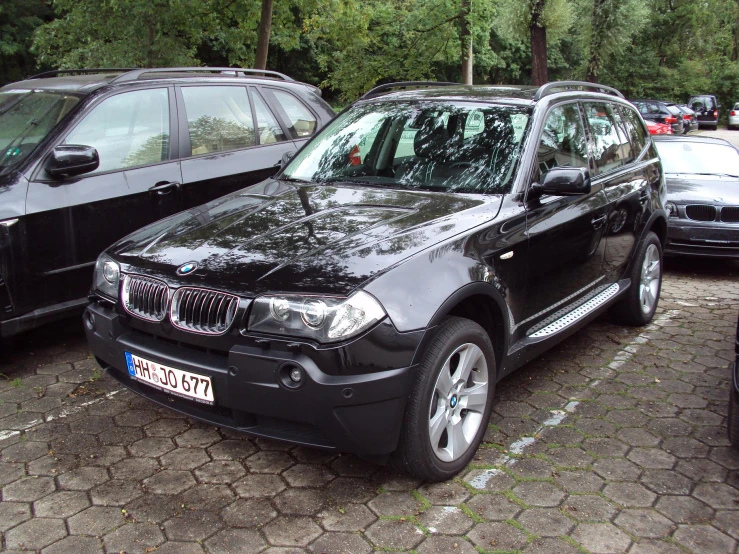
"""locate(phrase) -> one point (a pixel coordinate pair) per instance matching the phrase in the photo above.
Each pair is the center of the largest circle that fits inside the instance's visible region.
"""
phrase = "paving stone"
(617, 469)
(703, 538)
(304, 502)
(220, 471)
(24, 451)
(497, 536)
(446, 545)
(601, 538)
(115, 493)
(232, 450)
(445, 520)
(683, 509)
(76, 545)
(395, 504)
(630, 495)
(169, 481)
(343, 490)
(207, 497)
(494, 507)
(652, 458)
(490, 480)
(154, 508)
(352, 517)
(83, 478)
(61, 504)
(648, 524)
(578, 481)
(193, 525)
(346, 543)
(269, 462)
(235, 541)
(291, 531)
(665, 481)
(654, 546)
(254, 486)
(28, 489)
(447, 493)
(535, 493)
(545, 522)
(551, 546)
(134, 469)
(728, 522)
(200, 438)
(177, 547)
(95, 521)
(13, 513)
(589, 508)
(308, 475)
(394, 534)
(249, 513)
(35, 534)
(184, 458)
(134, 537)
(717, 495)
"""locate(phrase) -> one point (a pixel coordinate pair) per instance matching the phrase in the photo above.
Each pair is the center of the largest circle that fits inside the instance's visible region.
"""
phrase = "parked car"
(658, 128)
(661, 112)
(702, 196)
(706, 107)
(690, 120)
(732, 422)
(734, 117)
(88, 156)
(371, 305)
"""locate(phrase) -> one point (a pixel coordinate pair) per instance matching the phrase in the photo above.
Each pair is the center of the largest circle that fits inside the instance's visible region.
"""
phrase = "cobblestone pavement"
(612, 442)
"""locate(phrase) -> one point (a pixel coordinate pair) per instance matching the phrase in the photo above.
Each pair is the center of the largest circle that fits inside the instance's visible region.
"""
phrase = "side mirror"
(70, 159)
(564, 181)
(286, 157)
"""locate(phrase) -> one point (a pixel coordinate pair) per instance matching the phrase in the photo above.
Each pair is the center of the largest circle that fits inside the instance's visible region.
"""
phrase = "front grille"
(700, 212)
(145, 297)
(203, 311)
(730, 214)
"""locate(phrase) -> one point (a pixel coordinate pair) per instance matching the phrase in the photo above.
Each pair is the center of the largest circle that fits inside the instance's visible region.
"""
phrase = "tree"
(538, 32)
(265, 26)
(465, 37)
(18, 20)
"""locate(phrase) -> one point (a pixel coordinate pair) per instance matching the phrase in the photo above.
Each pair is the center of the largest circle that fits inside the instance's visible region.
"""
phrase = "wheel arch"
(659, 226)
(482, 303)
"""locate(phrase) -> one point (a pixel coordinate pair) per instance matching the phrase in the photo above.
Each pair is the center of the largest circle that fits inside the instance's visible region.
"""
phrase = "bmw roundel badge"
(186, 269)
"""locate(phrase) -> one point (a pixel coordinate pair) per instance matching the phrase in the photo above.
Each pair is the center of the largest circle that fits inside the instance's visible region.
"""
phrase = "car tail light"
(715, 114)
(732, 113)
(671, 119)
(355, 157)
(687, 117)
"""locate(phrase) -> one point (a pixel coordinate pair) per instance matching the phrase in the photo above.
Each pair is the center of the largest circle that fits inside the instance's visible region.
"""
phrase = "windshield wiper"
(296, 180)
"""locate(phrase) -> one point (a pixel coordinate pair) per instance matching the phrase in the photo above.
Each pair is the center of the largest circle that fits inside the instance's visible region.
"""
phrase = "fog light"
(296, 375)
(90, 321)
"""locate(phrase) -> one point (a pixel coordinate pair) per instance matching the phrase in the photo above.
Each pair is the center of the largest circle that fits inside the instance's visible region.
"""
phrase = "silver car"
(734, 117)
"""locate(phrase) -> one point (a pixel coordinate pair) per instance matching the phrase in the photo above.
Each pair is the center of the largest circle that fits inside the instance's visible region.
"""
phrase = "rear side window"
(218, 118)
(127, 130)
(634, 129)
(267, 126)
(563, 142)
(611, 148)
(302, 120)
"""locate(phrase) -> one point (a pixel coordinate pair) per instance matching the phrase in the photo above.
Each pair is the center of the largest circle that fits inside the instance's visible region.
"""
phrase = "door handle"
(165, 187)
(599, 221)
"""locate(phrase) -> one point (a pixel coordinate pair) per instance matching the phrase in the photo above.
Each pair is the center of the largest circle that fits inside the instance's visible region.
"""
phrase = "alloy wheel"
(458, 402)
(651, 273)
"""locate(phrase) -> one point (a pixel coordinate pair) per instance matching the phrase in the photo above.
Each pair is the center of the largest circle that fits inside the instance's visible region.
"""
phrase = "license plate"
(171, 380)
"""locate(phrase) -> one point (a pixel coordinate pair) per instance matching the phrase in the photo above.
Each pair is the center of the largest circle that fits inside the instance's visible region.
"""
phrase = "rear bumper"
(702, 239)
(361, 414)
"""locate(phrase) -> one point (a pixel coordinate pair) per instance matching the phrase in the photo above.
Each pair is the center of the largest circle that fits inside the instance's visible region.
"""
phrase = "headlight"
(672, 208)
(321, 318)
(107, 276)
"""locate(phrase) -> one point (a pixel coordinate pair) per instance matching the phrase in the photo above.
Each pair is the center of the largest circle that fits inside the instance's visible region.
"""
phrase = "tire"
(455, 339)
(630, 310)
(732, 424)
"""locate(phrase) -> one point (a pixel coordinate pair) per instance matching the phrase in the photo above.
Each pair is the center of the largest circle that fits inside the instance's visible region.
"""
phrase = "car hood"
(279, 236)
(702, 189)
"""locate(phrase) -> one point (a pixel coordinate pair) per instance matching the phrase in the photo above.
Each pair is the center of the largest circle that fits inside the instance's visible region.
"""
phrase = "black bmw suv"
(88, 156)
(417, 250)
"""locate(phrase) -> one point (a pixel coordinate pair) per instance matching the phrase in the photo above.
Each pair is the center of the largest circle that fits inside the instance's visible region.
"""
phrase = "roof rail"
(57, 72)
(405, 84)
(549, 88)
(138, 73)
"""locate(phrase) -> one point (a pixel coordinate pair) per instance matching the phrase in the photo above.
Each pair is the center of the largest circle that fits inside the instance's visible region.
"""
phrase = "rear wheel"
(449, 408)
(638, 305)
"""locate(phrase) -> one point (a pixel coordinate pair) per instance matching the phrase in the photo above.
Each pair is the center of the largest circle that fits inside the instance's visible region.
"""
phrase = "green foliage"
(648, 48)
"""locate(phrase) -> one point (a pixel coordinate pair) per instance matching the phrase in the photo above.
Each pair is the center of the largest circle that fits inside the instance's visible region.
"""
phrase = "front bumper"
(361, 414)
(707, 239)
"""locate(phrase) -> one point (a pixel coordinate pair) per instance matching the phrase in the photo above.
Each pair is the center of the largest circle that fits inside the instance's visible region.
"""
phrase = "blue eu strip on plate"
(129, 364)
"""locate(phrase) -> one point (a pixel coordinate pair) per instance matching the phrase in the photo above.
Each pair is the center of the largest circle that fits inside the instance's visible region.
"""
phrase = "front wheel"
(638, 305)
(450, 404)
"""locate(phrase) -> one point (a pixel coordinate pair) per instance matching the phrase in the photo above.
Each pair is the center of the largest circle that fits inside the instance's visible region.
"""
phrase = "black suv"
(418, 249)
(706, 107)
(88, 156)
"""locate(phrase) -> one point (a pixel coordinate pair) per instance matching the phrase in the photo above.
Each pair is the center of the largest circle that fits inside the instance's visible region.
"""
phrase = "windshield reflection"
(429, 145)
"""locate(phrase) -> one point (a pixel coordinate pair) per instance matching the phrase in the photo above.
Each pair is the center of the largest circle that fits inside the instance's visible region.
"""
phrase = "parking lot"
(612, 442)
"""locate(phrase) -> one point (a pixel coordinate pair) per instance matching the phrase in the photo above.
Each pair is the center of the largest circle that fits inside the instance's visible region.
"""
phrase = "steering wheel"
(471, 165)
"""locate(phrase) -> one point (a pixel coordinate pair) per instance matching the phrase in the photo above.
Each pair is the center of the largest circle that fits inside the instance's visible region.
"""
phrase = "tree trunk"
(265, 27)
(594, 62)
(735, 50)
(539, 72)
(465, 36)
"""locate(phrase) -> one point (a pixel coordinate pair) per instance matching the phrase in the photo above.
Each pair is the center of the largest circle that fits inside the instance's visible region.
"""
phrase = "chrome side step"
(578, 313)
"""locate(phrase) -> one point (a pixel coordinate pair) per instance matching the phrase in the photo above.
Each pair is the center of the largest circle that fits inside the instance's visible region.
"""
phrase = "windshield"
(429, 145)
(26, 117)
(698, 157)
